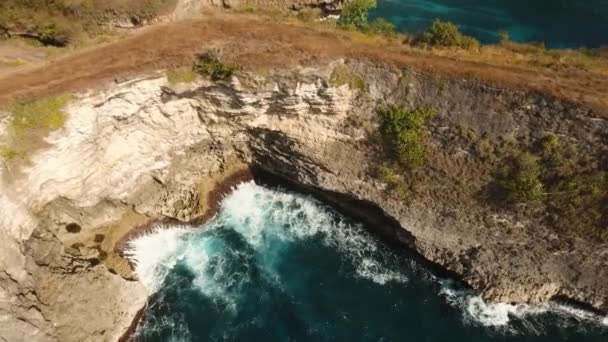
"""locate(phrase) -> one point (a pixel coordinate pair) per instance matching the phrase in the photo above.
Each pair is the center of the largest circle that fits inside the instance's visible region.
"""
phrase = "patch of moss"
(7, 153)
(180, 75)
(43, 113)
(342, 75)
(15, 63)
(405, 132)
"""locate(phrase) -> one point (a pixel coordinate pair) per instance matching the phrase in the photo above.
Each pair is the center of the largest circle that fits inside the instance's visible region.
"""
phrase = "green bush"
(209, 63)
(387, 174)
(405, 132)
(354, 14)
(383, 27)
(446, 34)
(521, 180)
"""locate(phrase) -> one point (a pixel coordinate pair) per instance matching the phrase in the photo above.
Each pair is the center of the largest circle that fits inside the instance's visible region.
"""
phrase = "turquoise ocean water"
(557, 23)
(279, 266)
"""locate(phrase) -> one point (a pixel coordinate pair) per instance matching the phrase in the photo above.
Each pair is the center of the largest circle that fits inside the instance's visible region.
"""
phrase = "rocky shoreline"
(146, 151)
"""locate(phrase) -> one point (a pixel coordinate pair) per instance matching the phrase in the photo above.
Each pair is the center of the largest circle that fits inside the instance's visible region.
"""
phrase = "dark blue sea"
(557, 23)
(279, 266)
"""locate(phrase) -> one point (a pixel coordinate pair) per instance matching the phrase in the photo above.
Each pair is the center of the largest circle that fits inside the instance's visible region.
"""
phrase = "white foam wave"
(155, 253)
(264, 217)
(501, 315)
(261, 215)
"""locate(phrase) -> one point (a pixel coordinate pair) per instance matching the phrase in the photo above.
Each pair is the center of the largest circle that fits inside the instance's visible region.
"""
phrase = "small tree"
(521, 180)
(446, 34)
(208, 63)
(354, 14)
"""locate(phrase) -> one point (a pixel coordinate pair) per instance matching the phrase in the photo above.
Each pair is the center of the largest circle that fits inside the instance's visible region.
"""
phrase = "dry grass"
(259, 42)
(566, 61)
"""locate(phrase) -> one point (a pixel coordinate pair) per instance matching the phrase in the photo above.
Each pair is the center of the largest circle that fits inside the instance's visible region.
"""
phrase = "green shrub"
(389, 175)
(405, 132)
(383, 27)
(521, 180)
(208, 63)
(446, 34)
(560, 158)
(44, 113)
(354, 14)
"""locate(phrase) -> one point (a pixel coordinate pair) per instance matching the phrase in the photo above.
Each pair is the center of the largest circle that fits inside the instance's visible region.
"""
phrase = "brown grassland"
(263, 41)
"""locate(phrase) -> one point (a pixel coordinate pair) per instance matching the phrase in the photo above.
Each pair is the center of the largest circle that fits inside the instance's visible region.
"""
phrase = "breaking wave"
(516, 318)
(273, 265)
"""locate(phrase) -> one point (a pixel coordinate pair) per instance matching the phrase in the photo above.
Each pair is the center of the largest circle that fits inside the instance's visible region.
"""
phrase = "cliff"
(141, 150)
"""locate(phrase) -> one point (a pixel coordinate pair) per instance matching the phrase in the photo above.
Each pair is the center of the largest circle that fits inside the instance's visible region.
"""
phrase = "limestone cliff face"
(141, 150)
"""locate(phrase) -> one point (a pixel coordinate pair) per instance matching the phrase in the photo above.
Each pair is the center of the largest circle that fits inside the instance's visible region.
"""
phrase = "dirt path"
(14, 55)
(262, 42)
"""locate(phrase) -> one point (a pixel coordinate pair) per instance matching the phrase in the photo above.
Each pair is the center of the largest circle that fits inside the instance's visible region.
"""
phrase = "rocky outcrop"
(190, 8)
(144, 150)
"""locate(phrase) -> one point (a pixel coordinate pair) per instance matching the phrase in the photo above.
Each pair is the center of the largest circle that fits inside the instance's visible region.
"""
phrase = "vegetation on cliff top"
(569, 186)
(209, 63)
(60, 22)
(354, 16)
(446, 34)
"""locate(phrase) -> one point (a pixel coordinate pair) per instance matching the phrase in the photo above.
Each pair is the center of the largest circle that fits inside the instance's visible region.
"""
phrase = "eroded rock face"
(141, 150)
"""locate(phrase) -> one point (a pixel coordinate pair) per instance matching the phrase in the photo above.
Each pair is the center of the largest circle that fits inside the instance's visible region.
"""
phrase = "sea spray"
(274, 265)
